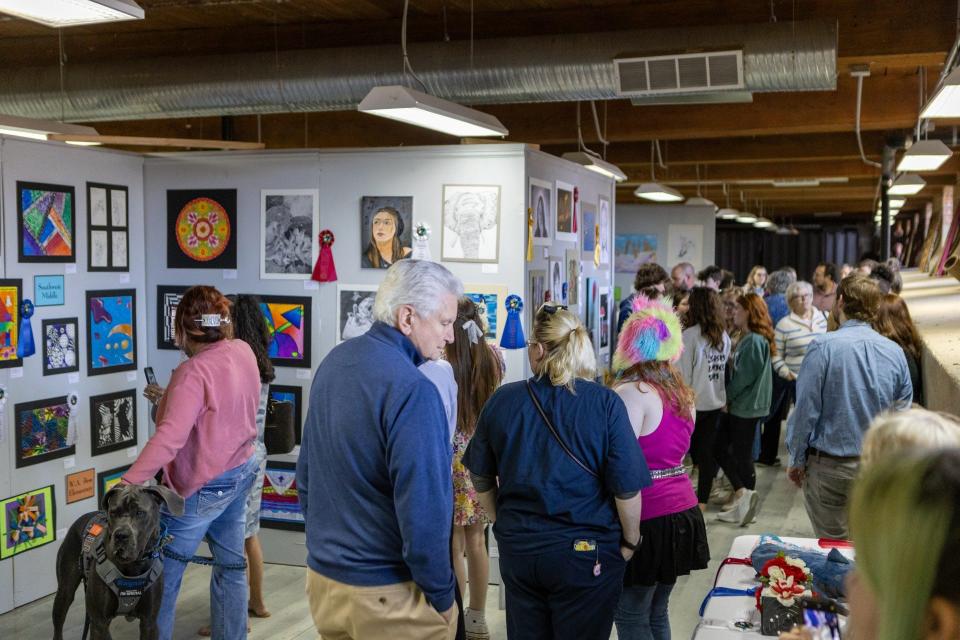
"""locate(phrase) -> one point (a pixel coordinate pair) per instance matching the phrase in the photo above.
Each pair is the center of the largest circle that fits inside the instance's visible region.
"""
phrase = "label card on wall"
(48, 291)
(229, 274)
(80, 485)
(73, 378)
(124, 278)
(16, 372)
(303, 374)
(131, 376)
(490, 268)
(132, 452)
(70, 463)
(69, 268)
(311, 285)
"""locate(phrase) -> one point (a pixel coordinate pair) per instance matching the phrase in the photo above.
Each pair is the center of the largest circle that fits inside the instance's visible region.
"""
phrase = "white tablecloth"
(723, 611)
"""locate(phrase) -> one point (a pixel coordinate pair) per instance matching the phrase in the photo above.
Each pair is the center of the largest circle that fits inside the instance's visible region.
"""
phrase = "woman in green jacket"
(748, 401)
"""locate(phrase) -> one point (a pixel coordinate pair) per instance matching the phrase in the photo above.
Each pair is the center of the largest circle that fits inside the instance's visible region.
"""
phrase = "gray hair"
(418, 283)
(798, 288)
(779, 280)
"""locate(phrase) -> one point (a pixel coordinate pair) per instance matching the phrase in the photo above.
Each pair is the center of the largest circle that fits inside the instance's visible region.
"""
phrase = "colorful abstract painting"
(42, 431)
(60, 346)
(27, 521)
(202, 229)
(288, 321)
(107, 480)
(280, 504)
(111, 331)
(9, 322)
(46, 222)
(294, 395)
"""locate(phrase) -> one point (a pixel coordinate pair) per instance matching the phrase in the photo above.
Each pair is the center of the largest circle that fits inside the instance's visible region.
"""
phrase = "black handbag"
(279, 434)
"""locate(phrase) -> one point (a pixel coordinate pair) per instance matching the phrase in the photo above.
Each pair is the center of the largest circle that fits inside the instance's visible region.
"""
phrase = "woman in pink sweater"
(206, 426)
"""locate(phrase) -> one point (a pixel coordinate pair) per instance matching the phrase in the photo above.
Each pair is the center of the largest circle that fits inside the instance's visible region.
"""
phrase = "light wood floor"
(781, 511)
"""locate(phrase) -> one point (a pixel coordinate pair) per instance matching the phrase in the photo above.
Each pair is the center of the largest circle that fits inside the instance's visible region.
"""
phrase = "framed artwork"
(555, 268)
(354, 310)
(107, 480)
(108, 228)
(573, 277)
(590, 293)
(289, 233)
(604, 313)
(386, 230)
(294, 395)
(10, 296)
(490, 298)
(685, 244)
(589, 235)
(60, 346)
(537, 293)
(111, 331)
(81, 485)
(631, 250)
(288, 322)
(202, 229)
(603, 219)
(565, 213)
(27, 521)
(48, 291)
(168, 297)
(42, 428)
(541, 202)
(280, 504)
(46, 222)
(471, 223)
(113, 421)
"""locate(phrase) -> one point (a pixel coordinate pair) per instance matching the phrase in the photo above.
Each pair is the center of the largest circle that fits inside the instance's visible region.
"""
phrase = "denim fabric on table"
(829, 569)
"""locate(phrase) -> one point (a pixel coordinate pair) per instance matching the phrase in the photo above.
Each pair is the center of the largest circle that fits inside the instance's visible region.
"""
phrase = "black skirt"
(673, 545)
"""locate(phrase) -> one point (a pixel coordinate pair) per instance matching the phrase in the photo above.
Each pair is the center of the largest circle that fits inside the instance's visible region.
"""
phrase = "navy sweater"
(374, 469)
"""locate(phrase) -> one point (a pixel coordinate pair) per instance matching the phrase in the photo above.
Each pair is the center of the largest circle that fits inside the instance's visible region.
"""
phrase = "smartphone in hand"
(151, 377)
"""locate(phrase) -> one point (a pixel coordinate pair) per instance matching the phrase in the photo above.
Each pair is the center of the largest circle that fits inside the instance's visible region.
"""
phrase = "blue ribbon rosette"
(25, 344)
(513, 329)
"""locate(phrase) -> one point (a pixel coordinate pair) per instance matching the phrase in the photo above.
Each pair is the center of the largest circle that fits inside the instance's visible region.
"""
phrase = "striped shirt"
(792, 336)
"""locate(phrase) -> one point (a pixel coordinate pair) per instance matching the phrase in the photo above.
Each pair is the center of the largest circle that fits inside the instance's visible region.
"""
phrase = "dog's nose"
(120, 536)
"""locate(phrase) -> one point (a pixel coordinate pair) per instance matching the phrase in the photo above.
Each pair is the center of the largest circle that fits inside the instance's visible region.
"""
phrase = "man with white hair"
(374, 472)
(684, 276)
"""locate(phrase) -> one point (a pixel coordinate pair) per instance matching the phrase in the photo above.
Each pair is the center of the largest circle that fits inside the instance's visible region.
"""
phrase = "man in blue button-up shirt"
(847, 378)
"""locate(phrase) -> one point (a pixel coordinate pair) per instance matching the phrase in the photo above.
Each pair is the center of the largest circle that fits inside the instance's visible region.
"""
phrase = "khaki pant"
(391, 612)
(826, 491)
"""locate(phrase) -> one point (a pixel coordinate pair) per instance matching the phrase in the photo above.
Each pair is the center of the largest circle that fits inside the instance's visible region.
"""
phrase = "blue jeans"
(642, 613)
(217, 512)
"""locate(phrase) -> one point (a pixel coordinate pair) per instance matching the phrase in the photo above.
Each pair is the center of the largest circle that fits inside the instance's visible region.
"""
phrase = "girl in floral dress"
(478, 369)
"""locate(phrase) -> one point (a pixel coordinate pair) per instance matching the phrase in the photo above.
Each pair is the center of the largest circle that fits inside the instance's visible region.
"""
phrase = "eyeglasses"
(549, 307)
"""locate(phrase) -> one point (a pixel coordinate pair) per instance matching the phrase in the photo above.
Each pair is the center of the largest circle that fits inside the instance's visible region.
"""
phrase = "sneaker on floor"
(747, 507)
(730, 515)
(719, 496)
(475, 625)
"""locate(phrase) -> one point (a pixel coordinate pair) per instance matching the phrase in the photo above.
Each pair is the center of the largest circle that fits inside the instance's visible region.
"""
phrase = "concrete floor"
(781, 511)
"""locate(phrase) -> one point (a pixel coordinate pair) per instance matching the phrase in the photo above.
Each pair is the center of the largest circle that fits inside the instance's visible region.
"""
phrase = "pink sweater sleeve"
(176, 417)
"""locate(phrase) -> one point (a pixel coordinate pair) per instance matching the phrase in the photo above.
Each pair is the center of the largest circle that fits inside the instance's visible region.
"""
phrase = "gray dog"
(116, 553)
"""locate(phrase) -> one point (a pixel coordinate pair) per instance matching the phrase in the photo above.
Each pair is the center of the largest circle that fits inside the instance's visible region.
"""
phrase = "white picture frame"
(566, 211)
(470, 231)
(540, 200)
(603, 219)
(354, 310)
(285, 239)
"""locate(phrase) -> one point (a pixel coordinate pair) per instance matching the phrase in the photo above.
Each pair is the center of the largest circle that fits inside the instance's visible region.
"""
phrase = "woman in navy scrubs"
(562, 487)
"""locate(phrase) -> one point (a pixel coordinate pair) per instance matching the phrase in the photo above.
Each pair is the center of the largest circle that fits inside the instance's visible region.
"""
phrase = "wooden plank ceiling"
(779, 136)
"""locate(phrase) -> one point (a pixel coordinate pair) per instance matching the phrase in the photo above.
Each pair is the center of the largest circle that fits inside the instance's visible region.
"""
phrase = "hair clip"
(212, 320)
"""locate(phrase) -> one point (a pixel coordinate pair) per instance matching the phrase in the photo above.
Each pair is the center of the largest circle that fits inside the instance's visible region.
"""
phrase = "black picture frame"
(297, 392)
(21, 439)
(177, 199)
(165, 296)
(40, 186)
(109, 228)
(104, 476)
(47, 323)
(93, 328)
(17, 283)
(268, 522)
(306, 302)
(96, 421)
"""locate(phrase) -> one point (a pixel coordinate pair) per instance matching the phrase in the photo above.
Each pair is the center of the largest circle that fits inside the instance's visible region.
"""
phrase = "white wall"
(656, 220)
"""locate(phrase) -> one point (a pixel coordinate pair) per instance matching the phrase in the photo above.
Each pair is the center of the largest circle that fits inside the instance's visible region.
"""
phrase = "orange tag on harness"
(95, 530)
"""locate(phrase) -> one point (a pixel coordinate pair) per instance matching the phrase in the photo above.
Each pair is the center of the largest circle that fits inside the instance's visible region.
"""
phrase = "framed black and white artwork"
(113, 421)
(289, 233)
(354, 310)
(471, 223)
(108, 229)
(168, 297)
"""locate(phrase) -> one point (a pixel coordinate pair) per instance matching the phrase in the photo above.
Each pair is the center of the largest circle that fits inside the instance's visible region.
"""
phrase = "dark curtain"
(739, 249)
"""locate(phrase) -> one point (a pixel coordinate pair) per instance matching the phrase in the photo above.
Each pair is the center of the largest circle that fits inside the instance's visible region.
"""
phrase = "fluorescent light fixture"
(698, 201)
(657, 192)
(423, 110)
(728, 214)
(924, 155)
(907, 185)
(798, 182)
(946, 102)
(763, 223)
(83, 143)
(746, 218)
(34, 129)
(70, 13)
(596, 164)
(897, 203)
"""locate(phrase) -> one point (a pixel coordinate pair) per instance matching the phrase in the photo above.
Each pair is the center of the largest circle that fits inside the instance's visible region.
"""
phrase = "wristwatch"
(630, 545)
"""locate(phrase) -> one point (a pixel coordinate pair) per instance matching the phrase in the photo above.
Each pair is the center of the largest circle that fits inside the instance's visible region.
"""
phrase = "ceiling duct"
(679, 73)
(780, 56)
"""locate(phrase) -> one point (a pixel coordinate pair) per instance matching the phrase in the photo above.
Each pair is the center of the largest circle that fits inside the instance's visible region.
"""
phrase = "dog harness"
(127, 589)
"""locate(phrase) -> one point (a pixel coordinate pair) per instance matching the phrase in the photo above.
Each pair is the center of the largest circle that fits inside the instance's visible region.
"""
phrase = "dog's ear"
(109, 495)
(171, 498)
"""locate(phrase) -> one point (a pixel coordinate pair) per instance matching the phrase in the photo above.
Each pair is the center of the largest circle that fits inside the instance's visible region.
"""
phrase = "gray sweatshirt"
(702, 367)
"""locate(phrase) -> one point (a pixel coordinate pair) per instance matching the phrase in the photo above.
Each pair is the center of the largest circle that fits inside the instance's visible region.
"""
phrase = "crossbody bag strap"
(556, 436)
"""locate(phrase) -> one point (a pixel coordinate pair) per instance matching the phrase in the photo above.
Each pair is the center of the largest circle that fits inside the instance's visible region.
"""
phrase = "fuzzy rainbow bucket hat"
(652, 332)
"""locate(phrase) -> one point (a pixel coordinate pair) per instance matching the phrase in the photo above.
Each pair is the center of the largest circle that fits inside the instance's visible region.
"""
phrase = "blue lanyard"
(727, 591)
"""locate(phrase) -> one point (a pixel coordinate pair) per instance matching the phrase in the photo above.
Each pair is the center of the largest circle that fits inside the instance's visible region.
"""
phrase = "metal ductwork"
(784, 56)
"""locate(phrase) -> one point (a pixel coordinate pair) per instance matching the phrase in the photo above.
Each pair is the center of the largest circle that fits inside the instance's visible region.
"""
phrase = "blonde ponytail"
(568, 351)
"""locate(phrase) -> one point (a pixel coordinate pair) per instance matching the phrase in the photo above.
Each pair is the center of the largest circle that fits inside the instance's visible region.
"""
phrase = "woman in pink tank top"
(661, 408)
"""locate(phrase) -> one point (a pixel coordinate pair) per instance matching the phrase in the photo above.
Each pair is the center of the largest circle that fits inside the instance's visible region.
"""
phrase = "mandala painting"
(27, 521)
(111, 331)
(202, 228)
(46, 222)
(42, 431)
(288, 322)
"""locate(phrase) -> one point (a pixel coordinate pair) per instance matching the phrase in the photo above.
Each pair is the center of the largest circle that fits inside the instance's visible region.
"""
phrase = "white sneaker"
(475, 625)
(730, 515)
(746, 507)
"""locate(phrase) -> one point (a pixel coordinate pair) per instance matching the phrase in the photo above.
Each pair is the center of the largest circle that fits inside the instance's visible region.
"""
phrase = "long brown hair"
(476, 367)
(893, 321)
(664, 377)
(396, 250)
(250, 326)
(758, 318)
(706, 312)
